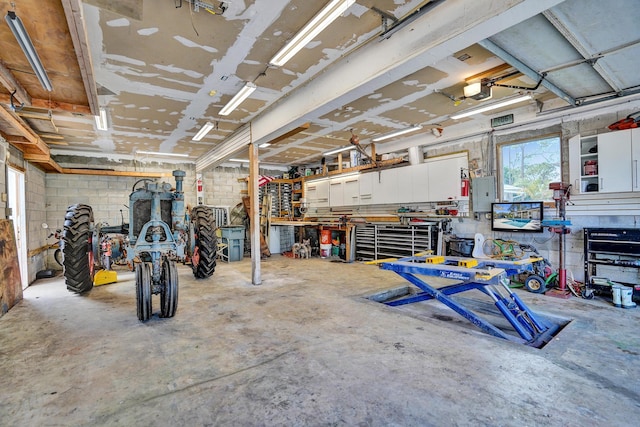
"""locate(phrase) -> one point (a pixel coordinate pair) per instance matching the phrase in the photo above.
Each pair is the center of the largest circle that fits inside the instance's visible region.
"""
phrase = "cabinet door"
(420, 183)
(365, 187)
(385, 187)
(444, 178)
(351, 194)
(635, 159)
(336, 192)
(575, 165)
(614, 161)
(405, 184)
(317, 193)
(323, 193)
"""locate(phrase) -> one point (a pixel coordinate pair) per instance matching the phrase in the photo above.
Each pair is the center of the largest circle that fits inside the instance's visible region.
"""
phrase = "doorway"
(16, 201)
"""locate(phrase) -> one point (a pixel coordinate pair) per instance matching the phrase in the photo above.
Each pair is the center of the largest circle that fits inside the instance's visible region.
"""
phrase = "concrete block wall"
(225, 186)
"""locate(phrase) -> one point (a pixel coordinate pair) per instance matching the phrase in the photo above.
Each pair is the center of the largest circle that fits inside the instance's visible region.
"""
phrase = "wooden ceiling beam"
(489, 73)
(289, 134)
(44, 162)
(17, 124)
(73, 12)
(115, 173)
(8, 80)
(45, 104)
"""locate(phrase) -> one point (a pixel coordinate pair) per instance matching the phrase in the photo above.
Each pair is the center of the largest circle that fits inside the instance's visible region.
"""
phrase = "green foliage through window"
(528, 168)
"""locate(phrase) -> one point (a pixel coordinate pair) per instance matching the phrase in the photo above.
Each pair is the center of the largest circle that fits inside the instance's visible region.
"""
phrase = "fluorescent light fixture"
(203, 131)
(396, 133)
(490, 107)
(239, 160)
(339, 150)
(264, 145)
(158, 153)
(244, 93)
(472, 89)
(27, 47)
(101, 120)
(319, 22)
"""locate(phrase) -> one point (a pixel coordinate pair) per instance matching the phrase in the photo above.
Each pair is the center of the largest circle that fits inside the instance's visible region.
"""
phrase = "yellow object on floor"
(105, 277)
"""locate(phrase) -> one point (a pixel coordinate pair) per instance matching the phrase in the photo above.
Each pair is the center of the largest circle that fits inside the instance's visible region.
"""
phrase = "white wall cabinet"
(336, 192)
(317, 193)
(437, 179)
(605, 163)
(365, 188)
(351, 196)
(385, 187)
(420, 183)
(614, 162)
(635, 159)
(444, 177)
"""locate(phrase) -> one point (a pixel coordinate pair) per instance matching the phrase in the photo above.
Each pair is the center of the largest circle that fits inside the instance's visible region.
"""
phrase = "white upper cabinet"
(605, 163)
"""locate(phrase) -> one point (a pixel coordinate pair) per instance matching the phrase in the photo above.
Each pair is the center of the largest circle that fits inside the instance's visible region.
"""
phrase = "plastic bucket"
(325, 238)
(325, 250)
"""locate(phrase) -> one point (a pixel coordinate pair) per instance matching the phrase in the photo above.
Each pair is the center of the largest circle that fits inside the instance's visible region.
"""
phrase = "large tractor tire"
(206, 243)
(77, 240)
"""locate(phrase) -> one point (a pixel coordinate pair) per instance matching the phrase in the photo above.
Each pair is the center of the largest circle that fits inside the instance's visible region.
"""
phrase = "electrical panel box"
(483, 193)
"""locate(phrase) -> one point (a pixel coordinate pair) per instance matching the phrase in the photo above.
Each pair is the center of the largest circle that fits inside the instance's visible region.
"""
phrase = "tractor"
(159, 233)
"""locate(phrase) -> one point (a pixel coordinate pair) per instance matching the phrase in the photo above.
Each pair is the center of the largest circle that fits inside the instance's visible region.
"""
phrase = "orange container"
(325, 237)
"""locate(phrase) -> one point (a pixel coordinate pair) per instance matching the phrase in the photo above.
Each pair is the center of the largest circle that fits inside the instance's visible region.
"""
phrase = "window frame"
(518, 141)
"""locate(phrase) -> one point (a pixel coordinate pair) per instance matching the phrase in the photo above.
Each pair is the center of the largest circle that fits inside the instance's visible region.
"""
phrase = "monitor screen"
(517, 216)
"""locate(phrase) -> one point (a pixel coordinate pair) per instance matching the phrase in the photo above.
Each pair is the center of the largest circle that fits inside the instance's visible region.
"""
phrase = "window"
(528, 168)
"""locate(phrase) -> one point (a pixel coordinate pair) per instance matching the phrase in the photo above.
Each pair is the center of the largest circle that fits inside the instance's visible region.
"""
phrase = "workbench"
(346, 229)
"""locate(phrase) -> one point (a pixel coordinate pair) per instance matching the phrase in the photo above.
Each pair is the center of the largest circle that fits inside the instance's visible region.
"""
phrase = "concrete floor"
(305, 348)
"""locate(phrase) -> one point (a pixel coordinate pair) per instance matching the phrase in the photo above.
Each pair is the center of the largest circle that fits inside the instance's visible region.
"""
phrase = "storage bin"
(234, 238)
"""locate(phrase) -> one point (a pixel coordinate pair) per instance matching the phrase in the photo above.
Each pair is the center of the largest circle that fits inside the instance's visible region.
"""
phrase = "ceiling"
(163, 68)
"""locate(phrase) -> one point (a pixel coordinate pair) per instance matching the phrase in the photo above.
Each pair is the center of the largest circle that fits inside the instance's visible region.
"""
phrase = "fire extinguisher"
(199, 184)
(464, 184)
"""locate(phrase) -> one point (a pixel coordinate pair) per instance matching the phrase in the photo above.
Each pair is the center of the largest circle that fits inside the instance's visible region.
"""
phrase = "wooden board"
(10, 283)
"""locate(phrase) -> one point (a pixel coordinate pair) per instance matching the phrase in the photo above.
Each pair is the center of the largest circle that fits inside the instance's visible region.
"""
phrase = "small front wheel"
(535, 284)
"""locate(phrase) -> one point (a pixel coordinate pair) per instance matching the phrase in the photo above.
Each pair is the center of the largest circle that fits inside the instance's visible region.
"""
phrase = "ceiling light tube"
(244, 93)
(264, 145)
(396, 133)
(472, 89)
(319, 22)
(203, 131)
(490, 107)
(101, 120)
(157, 153)
(339, 150)
(20, 33)
(239, 160)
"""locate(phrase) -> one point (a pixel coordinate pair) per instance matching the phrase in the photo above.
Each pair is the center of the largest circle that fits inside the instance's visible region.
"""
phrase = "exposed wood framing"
(51, 105)
(8, 80)
(115, 173)
(77, 30)
(290, 133)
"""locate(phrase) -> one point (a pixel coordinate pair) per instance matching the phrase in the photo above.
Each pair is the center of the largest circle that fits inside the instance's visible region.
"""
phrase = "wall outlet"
(3, 197)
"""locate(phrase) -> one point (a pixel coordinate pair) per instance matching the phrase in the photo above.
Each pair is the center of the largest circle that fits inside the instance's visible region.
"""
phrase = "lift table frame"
(489, 277)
